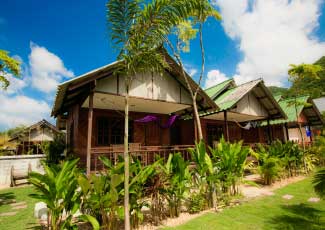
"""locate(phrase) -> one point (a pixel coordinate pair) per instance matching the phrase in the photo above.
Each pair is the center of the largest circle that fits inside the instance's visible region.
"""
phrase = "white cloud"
(16, 84)
(190, 70)
(46, 69)
(43, 72)
(16, 110)
(272, 34)
(215, 77)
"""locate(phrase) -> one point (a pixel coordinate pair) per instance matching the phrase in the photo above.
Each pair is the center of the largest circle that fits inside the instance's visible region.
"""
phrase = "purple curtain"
(170, 122)
(147, 119)
(151, 118)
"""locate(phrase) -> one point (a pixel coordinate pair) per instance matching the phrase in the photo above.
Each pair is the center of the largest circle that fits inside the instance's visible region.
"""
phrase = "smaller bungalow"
(29, 140)
(301, 111)
(241, 109)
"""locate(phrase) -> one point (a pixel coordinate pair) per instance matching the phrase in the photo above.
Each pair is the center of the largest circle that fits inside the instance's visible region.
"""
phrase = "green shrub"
(54, 150)
(270, 169)
(58, 189)
(196, 203)
(319, 182)
(230, 160)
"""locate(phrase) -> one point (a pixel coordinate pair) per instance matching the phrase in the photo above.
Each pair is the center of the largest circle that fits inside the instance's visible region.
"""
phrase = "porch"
(146, 154)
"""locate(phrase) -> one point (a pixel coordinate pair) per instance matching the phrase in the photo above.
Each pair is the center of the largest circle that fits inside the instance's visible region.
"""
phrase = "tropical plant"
(177, 171)
(300, 72)
(203, 166)
(8, 66)
(200, 11)
(318, 149)
(57, 188)
(269, 169)
(308, 80)
(230, 159)
(319, 182)
(197, 202)
(156, 186)
(102, 195)
(205, 175)
(138, 30)
(54, 150)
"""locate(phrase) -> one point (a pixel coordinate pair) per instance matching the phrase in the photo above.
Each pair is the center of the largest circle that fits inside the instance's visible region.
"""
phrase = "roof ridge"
(230, 79)
(291, 98)
(257, 79)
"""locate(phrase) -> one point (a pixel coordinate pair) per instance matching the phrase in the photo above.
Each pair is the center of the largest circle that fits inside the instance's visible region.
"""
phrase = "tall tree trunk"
(301, 134)
(197, 119)
(196, 113)
(126, 159)
(194, 92)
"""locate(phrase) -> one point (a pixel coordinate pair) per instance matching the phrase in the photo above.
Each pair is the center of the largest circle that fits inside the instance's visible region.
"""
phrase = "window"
(214, 133)
(175, 134)
(103, 131)
(110, 130)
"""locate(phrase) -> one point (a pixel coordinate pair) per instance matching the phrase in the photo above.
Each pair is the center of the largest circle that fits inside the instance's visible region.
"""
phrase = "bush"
(270, 170)
(196, 203)
(54, 150)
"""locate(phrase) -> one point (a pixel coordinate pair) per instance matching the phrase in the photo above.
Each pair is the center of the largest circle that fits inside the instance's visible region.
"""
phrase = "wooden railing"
(146, 154)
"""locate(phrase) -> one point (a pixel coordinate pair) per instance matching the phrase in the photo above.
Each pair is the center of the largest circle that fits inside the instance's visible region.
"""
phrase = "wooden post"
(90, 128)
(195, 130)
(226, 130)
(269, 131)
(29, 141)
(287, 130)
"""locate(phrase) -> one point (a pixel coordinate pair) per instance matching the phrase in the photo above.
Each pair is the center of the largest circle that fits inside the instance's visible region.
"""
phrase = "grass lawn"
(24, 218)
(272, 212)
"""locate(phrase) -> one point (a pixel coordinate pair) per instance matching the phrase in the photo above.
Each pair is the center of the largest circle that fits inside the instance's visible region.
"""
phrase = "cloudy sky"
(59, 40)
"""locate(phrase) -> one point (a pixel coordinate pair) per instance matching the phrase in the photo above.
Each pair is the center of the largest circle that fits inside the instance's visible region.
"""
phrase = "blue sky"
(57, 40)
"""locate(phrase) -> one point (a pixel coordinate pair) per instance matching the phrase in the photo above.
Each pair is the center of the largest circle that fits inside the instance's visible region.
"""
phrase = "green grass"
(271, 212)
(24, 219)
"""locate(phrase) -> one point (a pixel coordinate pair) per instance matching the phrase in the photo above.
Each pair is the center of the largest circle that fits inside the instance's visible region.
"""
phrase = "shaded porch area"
(145, 154)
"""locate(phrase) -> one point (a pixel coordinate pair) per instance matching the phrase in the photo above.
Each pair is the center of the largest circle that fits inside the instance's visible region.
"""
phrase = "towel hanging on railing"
(249, 125)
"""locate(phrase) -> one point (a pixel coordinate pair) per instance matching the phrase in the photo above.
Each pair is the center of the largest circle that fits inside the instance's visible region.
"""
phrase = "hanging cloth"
(170, 122)
(247, 126)
(146, 119)
(151, 118)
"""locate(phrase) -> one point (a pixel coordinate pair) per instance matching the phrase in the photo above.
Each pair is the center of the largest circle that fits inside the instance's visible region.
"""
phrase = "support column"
(269, 132)
(195, 130)
(90, 128)
(226, 130)
(287, 130)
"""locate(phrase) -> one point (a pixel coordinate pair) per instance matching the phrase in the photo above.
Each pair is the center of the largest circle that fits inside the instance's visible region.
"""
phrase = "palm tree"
(8, 65)
(138, 30)
(201, 10)
(299, 72)
(319, 182)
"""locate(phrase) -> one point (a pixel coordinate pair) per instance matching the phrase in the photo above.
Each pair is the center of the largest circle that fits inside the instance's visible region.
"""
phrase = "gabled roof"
(216, 90)
(40, 124)
(305, 105)
(79, 88)
(320, 103)
(277, 97)
(229, 98)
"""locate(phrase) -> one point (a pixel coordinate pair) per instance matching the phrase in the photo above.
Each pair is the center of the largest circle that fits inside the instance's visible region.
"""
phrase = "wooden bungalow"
(241, 109)
(30, 139)
(300, 111)
(91, 110)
